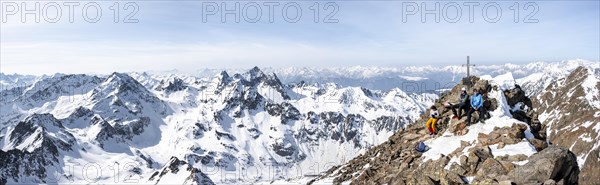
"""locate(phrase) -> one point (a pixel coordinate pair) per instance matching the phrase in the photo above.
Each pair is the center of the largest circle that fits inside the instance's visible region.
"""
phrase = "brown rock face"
(491, 169)
(503, 136)
(553, 163)
(538, 144)
(571, 120)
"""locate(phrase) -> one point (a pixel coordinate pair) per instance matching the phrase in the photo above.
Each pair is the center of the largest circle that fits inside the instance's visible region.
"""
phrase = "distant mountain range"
(411, 79)
(223, 127)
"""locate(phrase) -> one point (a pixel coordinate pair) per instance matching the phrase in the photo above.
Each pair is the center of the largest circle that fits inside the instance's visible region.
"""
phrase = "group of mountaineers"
(467, 103)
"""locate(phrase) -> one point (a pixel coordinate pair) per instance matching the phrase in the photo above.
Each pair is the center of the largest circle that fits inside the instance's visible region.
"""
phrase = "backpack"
(420, 147)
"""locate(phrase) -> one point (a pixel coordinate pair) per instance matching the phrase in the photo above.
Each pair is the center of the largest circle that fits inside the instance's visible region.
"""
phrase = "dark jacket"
(464, 98)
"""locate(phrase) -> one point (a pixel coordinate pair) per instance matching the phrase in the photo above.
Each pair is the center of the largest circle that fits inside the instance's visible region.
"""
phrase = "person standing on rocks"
(463, 104)
(433, 117)
(476, 105)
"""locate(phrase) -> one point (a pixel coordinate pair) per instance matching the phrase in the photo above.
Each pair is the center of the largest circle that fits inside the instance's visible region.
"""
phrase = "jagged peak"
(115, 76)
(253, 74)
(45, 120)
(80, 112)
(61, 80)
(256, 70)
(171, 84)
(35, 126)
(122, 82)
(222, 77)
(578, 76)
(584, 70)
(223, 74)
(57, 75)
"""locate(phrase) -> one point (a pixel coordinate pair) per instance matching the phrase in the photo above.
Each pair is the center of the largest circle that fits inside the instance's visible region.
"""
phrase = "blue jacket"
(476, 101)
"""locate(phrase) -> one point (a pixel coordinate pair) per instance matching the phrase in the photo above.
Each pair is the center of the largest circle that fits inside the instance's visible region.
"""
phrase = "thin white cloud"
(105, 57)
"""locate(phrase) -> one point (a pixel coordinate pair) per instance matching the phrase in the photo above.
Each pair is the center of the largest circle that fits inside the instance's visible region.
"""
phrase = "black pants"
(481, 114)
(460, 107)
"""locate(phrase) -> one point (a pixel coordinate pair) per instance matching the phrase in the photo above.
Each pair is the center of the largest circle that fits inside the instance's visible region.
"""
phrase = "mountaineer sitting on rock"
(463, 104)
(433, 117)
(476, 105)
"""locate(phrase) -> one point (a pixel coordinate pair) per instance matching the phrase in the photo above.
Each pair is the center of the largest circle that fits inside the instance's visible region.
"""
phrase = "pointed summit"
(254, 74)
(255, 69)
(119, 77)
(223, 74)
(123, 83)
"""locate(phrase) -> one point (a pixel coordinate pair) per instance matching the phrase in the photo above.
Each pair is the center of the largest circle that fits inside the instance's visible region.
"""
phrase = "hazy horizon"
(159, 35)
(198, 71)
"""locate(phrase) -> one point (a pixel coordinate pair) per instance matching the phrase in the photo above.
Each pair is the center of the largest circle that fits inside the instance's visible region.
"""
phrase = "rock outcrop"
(474, 162)
(553, 163)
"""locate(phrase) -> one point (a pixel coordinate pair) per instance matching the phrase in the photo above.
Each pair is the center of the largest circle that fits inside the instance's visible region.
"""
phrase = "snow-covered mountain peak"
(254, 73)
(38, 130)
(122, 83)
(47, 121)
(223, 75)
(125, 88)
(172, 84)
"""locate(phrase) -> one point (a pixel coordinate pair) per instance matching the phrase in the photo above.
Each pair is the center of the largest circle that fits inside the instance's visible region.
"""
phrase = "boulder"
(451, 178)
(538, 144)
(550, 182)
(501, 145)
(516, 95)
(505, 182)
(518, 157)
(491, 169)
(509, 141)
(483, 152)
(473, 159)
(481, 181)
(424, 180)
(458, 128)
(482, 85)
(491, 104)
(554, 163)
(509, 166)
(517, 131)
(463, 160)
(458, 169)
(538, 129)
(591, 169)
(492, 138)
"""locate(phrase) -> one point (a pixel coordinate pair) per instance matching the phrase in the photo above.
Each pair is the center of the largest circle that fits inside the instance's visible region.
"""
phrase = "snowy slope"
(227, 129)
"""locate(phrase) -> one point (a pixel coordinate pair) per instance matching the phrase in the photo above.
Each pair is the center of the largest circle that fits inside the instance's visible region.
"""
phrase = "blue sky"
(172, 35)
